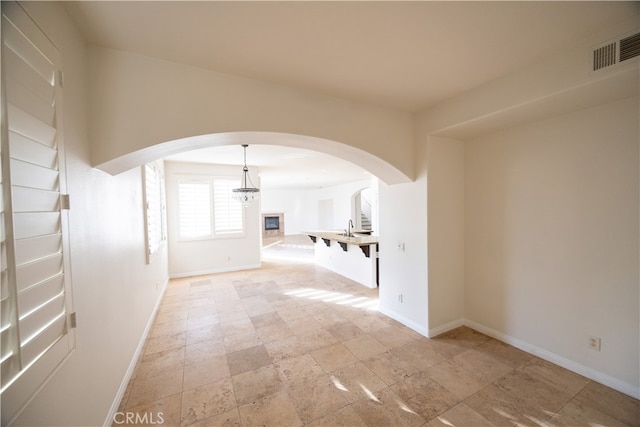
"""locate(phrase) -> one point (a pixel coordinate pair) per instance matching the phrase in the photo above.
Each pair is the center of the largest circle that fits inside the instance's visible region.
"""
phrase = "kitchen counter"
(354, 257)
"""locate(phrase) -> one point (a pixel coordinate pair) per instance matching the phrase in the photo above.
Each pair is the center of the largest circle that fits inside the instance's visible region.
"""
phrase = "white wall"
(194, 257)
(301, 207)
(114, 290)
(445, 215)
(403, 249)
(551, 238)
(182, 101)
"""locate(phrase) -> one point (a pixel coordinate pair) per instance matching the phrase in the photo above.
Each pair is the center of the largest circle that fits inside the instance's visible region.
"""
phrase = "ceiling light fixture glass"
(245, 194)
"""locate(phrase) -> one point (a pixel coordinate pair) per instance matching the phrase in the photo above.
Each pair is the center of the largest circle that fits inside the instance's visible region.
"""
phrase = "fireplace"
(271, 223)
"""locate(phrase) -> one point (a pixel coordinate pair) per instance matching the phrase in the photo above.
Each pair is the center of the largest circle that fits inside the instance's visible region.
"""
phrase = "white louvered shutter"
(194, 208)
(35, 293)
(228, 212)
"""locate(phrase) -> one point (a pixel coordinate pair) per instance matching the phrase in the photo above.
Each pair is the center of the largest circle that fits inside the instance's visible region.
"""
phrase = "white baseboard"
(134, 360)
(405, 321)
(446, 327)
(214, 271)
(578, 368)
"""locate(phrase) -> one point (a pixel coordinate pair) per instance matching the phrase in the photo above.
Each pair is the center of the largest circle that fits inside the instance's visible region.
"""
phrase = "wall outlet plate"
(595, 343)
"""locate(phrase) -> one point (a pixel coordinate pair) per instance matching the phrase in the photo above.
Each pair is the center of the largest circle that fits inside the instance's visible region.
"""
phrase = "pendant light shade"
(247, 192)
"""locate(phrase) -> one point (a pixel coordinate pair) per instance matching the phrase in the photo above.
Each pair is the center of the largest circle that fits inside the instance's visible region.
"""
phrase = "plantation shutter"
(194, 208)
(35, 296)
(155, 208)
(228, 218)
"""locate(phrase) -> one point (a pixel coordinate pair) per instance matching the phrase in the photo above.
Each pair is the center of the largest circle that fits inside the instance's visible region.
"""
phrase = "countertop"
(336, 236)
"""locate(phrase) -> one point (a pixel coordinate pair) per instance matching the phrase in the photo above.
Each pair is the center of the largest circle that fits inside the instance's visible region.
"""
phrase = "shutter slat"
(30, 151)
(28, 250)
(32, 325)
(23, 123)
(21, 72)
(46, 338)
(35, 200)
(27, 225)
(16, 41)
(29, 175)
(38, 271)
(27, 100)
(35, 296)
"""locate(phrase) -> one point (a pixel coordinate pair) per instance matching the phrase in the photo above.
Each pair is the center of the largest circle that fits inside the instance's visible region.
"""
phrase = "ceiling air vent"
(617, 51)
(630, 47)
(605, 56)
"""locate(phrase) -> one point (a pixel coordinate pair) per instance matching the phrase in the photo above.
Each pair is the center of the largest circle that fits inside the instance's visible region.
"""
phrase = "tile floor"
(292, 344)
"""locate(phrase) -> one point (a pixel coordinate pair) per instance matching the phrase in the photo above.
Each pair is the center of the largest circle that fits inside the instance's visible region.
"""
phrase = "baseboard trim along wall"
(134, 360)
(578, 368)
(405, 321)
(445, 328)
(214, 271)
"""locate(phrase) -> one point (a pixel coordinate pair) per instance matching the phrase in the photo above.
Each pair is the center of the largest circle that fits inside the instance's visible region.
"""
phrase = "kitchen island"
(354, 256)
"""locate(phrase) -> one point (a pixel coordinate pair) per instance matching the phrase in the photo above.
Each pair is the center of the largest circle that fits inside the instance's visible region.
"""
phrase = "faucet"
(349, 228)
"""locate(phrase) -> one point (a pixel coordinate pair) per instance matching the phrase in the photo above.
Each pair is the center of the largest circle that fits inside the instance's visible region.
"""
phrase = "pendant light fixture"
(245, 194)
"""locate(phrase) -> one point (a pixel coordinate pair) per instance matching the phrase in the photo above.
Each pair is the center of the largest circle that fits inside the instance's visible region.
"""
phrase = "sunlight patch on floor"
(339, 298)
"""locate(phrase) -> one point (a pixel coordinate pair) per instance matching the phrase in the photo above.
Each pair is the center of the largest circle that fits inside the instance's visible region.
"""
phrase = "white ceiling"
(281, 167)
(401, 55)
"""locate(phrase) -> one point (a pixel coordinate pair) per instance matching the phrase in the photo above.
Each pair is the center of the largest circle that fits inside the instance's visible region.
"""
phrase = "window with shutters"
(207, 209)
(155, 208)
(35, 298)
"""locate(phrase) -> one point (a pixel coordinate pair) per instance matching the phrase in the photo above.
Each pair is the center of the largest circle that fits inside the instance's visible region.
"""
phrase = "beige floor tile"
(201, 321)
(299, 368)
(504, 353)
(345, 417)
(267, 319)
(257, 384)
(164, 411)
(292, 311)
(538, 394)
(503, 409)
(240, 326)
(241, 341)
(385, 408)
(329, 318)
(482, 365)
(206, 401)
(577, 414)
(459, 416)
(274, 410)
(610, 402)
(165, 342)
(391, 336)
(169, 328)
(316, 339)
(205, 371)
(419, 353)
(226, 419)
(315, 398)
(204, 334)
(274, 332)
(248, 359)
(356, 382)
(345, 331)
(155, 363)
(203, 350)
(155, 387)
(333, 357)
(303, 325)
(557, 377)
(365, 347)
(288, 347)
(460, 382)
(424, 395)
(369, 323)
(390, 367)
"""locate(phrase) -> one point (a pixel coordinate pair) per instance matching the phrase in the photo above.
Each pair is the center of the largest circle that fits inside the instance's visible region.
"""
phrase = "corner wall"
(551, 239)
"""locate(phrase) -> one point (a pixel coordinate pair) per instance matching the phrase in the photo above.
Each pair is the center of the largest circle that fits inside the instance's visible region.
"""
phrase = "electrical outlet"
(400, 298)
(594, 343)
